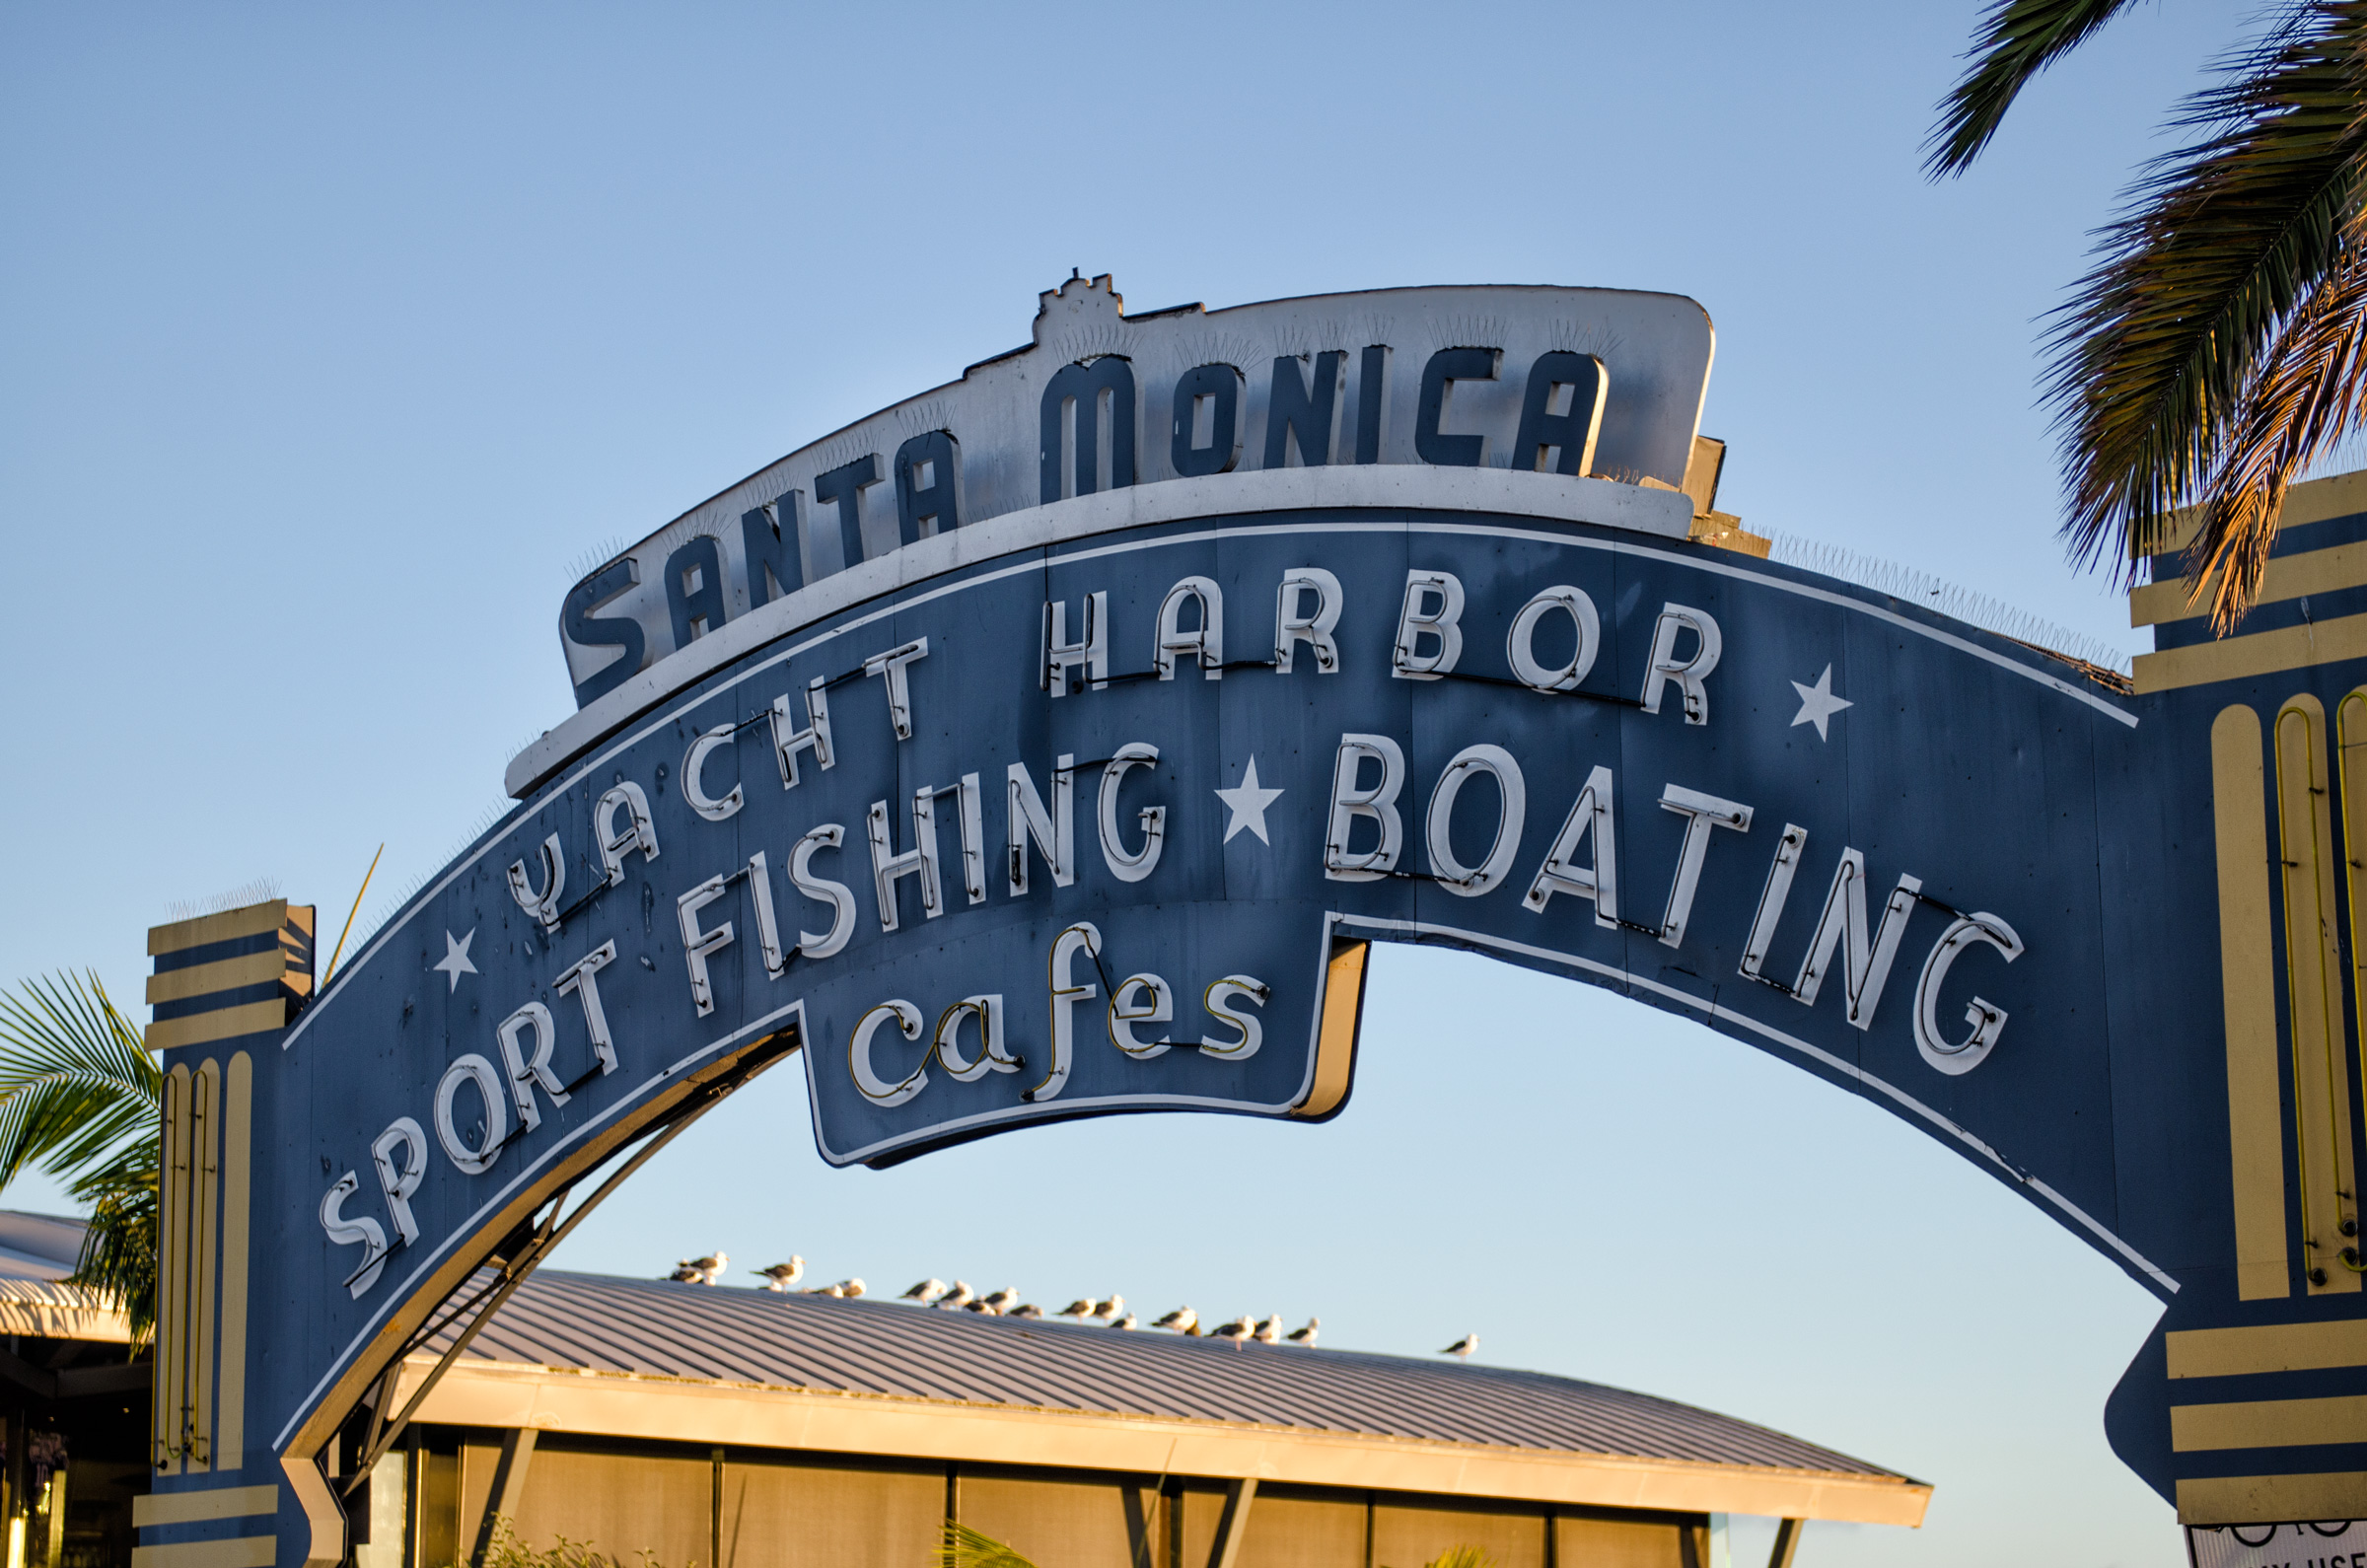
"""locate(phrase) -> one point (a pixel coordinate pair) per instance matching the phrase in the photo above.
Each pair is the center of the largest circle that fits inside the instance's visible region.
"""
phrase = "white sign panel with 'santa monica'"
(1576, 382)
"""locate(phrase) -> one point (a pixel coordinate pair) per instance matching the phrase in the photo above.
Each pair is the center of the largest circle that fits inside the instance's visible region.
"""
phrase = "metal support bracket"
(516, 1256)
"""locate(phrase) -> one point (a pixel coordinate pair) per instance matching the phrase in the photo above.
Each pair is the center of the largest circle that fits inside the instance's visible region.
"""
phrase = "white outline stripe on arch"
(1710, 1011)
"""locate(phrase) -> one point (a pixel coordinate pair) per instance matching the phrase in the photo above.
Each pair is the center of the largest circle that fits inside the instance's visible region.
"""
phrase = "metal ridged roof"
(881, 1348)
(39, 1245)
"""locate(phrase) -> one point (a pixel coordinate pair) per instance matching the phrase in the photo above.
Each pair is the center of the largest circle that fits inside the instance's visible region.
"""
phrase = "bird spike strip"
(1922, 589)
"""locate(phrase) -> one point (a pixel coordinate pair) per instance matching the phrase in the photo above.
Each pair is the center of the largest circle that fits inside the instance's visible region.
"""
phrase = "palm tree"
(79, 1099)
(2218, 346)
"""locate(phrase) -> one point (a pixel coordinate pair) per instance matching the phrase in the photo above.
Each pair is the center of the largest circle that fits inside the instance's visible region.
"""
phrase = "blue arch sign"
(1034, 751)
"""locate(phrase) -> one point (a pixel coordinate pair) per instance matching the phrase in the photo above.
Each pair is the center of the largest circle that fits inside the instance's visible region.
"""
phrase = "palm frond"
(965, 1547)
(75, 1080)
(80, 1098)
(119, 1250)
(2310, 393)
(2225, 243)
(2019, 39)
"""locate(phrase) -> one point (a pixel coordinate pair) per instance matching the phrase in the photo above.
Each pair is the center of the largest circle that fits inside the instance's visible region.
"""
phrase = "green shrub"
(508, 1552)
(965, 1547)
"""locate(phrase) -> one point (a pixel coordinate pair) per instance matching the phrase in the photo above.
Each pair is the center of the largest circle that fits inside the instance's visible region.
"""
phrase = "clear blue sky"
(334, 338)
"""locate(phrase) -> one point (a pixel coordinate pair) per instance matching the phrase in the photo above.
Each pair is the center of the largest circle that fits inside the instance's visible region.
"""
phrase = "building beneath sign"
(742, 1428)
(73, 1405)
(749, 1430)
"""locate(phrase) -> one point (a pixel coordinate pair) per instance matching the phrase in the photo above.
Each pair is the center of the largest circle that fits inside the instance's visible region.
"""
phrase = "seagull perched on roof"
(1002, 1301)
(849, 1288)
(1082, 1307)
(712, 1267)
(1239, 1330)
(1463, 1348)
(1183, 1320)
(824, 1290)
(960, 1296)
(781, 1276)
(1125, 1325)
(1306, 1335)
(1270, 1330)
(686, 1275)
(1110, 1309)
(1025, 1310)
(927, 1291)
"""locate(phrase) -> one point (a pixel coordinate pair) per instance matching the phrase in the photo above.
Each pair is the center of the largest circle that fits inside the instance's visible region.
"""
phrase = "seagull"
(686, 1275)
(1463, 1348)
(1027, 1310)
(781, 1276)
(1239, 1330)
(927, 1291)
(1305, 1337)
(1110, 1309)
(824, 1290)
(1183, 1320)
(1125, 1324)
(1269, 1330)
(984, 1307)
(960, 1296)
(1082, 1307)
(1002, 1301)
(849, 1288)
(711, 1267)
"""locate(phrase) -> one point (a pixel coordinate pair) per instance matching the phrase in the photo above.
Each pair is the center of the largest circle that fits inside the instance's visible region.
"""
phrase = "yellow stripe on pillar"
(2268, 1424)
(2314, 993)
(238, 1114)
(172, 1304)
(2273, 1499)
(2247, 984)
(204, 1219)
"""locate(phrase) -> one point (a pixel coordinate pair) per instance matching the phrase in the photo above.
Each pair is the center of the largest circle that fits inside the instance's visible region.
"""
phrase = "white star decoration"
(456, 958)
(1248, 804)
(1818, 704)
